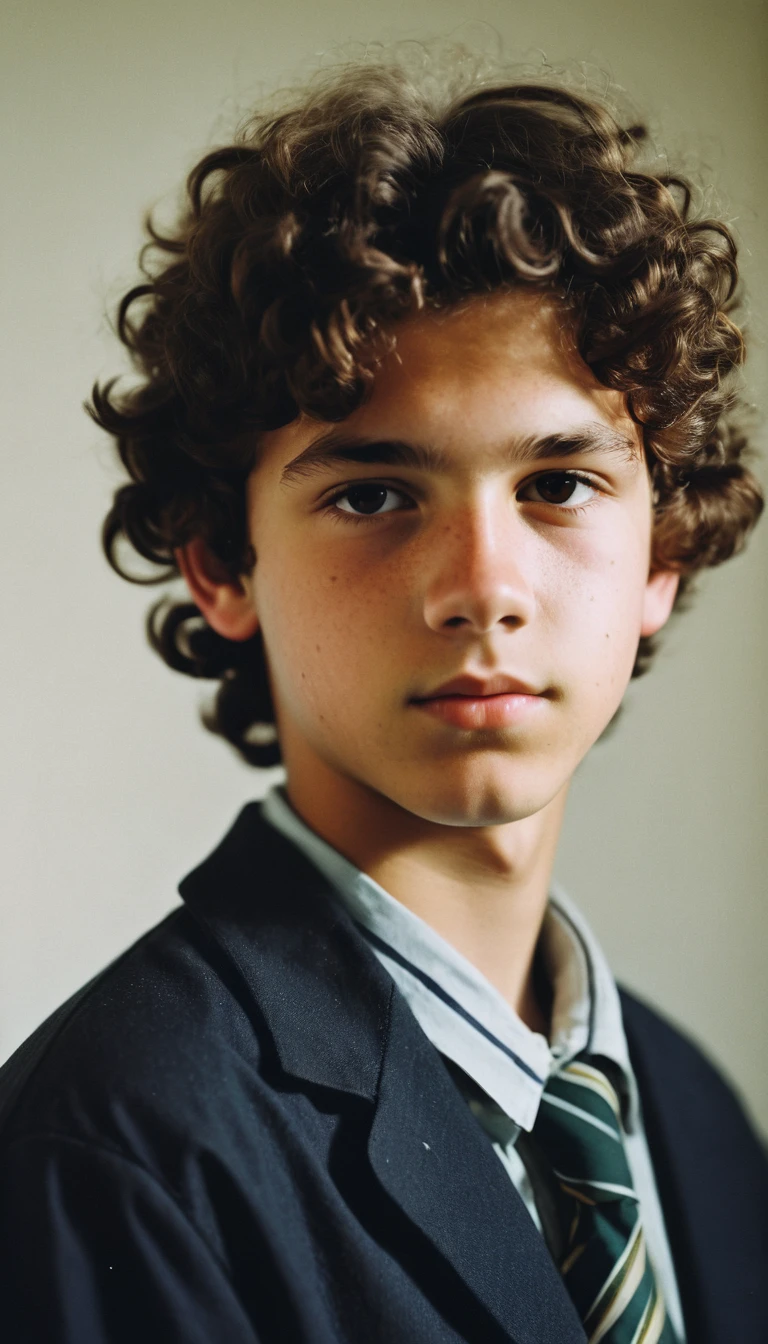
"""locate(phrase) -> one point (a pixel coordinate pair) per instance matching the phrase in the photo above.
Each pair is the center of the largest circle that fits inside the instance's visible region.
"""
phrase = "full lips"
(483, 711)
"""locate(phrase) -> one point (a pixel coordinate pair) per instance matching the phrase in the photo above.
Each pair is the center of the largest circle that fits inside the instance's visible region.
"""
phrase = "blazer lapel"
(434, 1160)
(337, 1020)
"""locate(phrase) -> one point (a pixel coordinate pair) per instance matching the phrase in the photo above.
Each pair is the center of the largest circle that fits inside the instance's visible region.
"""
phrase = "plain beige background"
(111, 790)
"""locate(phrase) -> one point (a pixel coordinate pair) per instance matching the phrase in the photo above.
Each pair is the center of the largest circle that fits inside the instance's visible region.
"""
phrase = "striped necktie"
(604, 1262)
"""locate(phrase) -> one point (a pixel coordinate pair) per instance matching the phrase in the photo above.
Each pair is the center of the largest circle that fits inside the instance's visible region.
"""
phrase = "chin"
(477, 797)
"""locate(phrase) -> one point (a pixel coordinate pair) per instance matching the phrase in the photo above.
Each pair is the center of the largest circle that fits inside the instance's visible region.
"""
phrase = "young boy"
(433, 420)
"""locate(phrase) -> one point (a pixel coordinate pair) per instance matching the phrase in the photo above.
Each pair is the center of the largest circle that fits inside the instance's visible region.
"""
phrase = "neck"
(484, 889)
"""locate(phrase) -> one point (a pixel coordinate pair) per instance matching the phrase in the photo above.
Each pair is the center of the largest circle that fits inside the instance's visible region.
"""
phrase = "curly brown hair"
(302, 244)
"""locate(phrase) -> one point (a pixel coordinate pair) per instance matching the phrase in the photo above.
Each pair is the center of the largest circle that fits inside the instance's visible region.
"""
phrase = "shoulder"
(121, 1119)
(711, 1170)
(682, 1088)
(138, 1052)
(656, 1042)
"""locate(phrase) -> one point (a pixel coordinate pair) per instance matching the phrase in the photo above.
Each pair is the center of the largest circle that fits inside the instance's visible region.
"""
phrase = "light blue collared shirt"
(500, 1065)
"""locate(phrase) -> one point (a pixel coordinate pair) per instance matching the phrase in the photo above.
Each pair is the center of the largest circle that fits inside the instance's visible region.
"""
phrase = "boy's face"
(442, 534)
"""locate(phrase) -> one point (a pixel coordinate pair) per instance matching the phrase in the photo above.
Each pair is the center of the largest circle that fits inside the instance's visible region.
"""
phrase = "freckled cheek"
(323, 624)
(592, 600)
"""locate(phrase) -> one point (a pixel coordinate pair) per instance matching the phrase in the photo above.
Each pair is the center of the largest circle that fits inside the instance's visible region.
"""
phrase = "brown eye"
(560, 487)
(368, 498)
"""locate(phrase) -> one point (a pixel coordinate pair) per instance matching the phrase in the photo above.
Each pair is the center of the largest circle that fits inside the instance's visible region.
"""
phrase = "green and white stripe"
(605, 1264)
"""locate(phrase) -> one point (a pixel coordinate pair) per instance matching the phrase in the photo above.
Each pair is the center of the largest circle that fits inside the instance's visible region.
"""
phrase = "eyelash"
(346, 516)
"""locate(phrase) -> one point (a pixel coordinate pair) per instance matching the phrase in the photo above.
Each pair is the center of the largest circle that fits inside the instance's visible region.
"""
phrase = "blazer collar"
(337, 1021)
(325, 997)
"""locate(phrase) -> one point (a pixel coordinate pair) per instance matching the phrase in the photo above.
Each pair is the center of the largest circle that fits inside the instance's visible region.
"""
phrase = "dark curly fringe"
(301, 246)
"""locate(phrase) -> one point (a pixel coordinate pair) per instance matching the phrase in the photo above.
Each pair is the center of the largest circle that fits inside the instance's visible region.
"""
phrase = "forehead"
(469, 379)
(504, 355)
(514, 322)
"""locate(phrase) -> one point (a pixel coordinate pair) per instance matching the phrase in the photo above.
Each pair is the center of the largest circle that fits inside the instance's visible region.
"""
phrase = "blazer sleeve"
(93, 1250)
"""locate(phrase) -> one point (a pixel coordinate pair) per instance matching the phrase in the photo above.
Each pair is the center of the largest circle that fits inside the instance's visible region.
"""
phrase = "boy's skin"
(467, 572)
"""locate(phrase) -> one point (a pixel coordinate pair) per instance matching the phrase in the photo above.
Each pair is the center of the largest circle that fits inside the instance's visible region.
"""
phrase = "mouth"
(471, 702)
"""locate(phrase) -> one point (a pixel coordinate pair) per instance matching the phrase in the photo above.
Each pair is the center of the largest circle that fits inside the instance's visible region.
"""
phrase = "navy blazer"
(238, 1132)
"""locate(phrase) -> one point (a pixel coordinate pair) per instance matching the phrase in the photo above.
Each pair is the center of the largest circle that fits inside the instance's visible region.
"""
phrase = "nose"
(478, 571)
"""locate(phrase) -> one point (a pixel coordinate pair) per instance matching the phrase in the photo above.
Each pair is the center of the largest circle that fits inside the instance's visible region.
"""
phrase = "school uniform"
(241, 1132)
(500, 1066)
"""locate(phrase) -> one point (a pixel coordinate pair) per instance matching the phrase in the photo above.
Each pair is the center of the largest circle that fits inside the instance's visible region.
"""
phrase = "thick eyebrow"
(336, 449)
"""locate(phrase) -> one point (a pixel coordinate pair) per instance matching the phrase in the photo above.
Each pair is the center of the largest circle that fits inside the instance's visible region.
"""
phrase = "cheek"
(594, 605)
(324, 623)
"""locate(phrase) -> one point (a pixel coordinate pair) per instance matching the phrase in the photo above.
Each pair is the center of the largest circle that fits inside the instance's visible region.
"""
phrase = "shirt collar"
(461, 1013)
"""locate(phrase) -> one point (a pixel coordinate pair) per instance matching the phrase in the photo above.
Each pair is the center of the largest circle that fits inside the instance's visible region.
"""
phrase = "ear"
(226, 603)
(658, 599)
